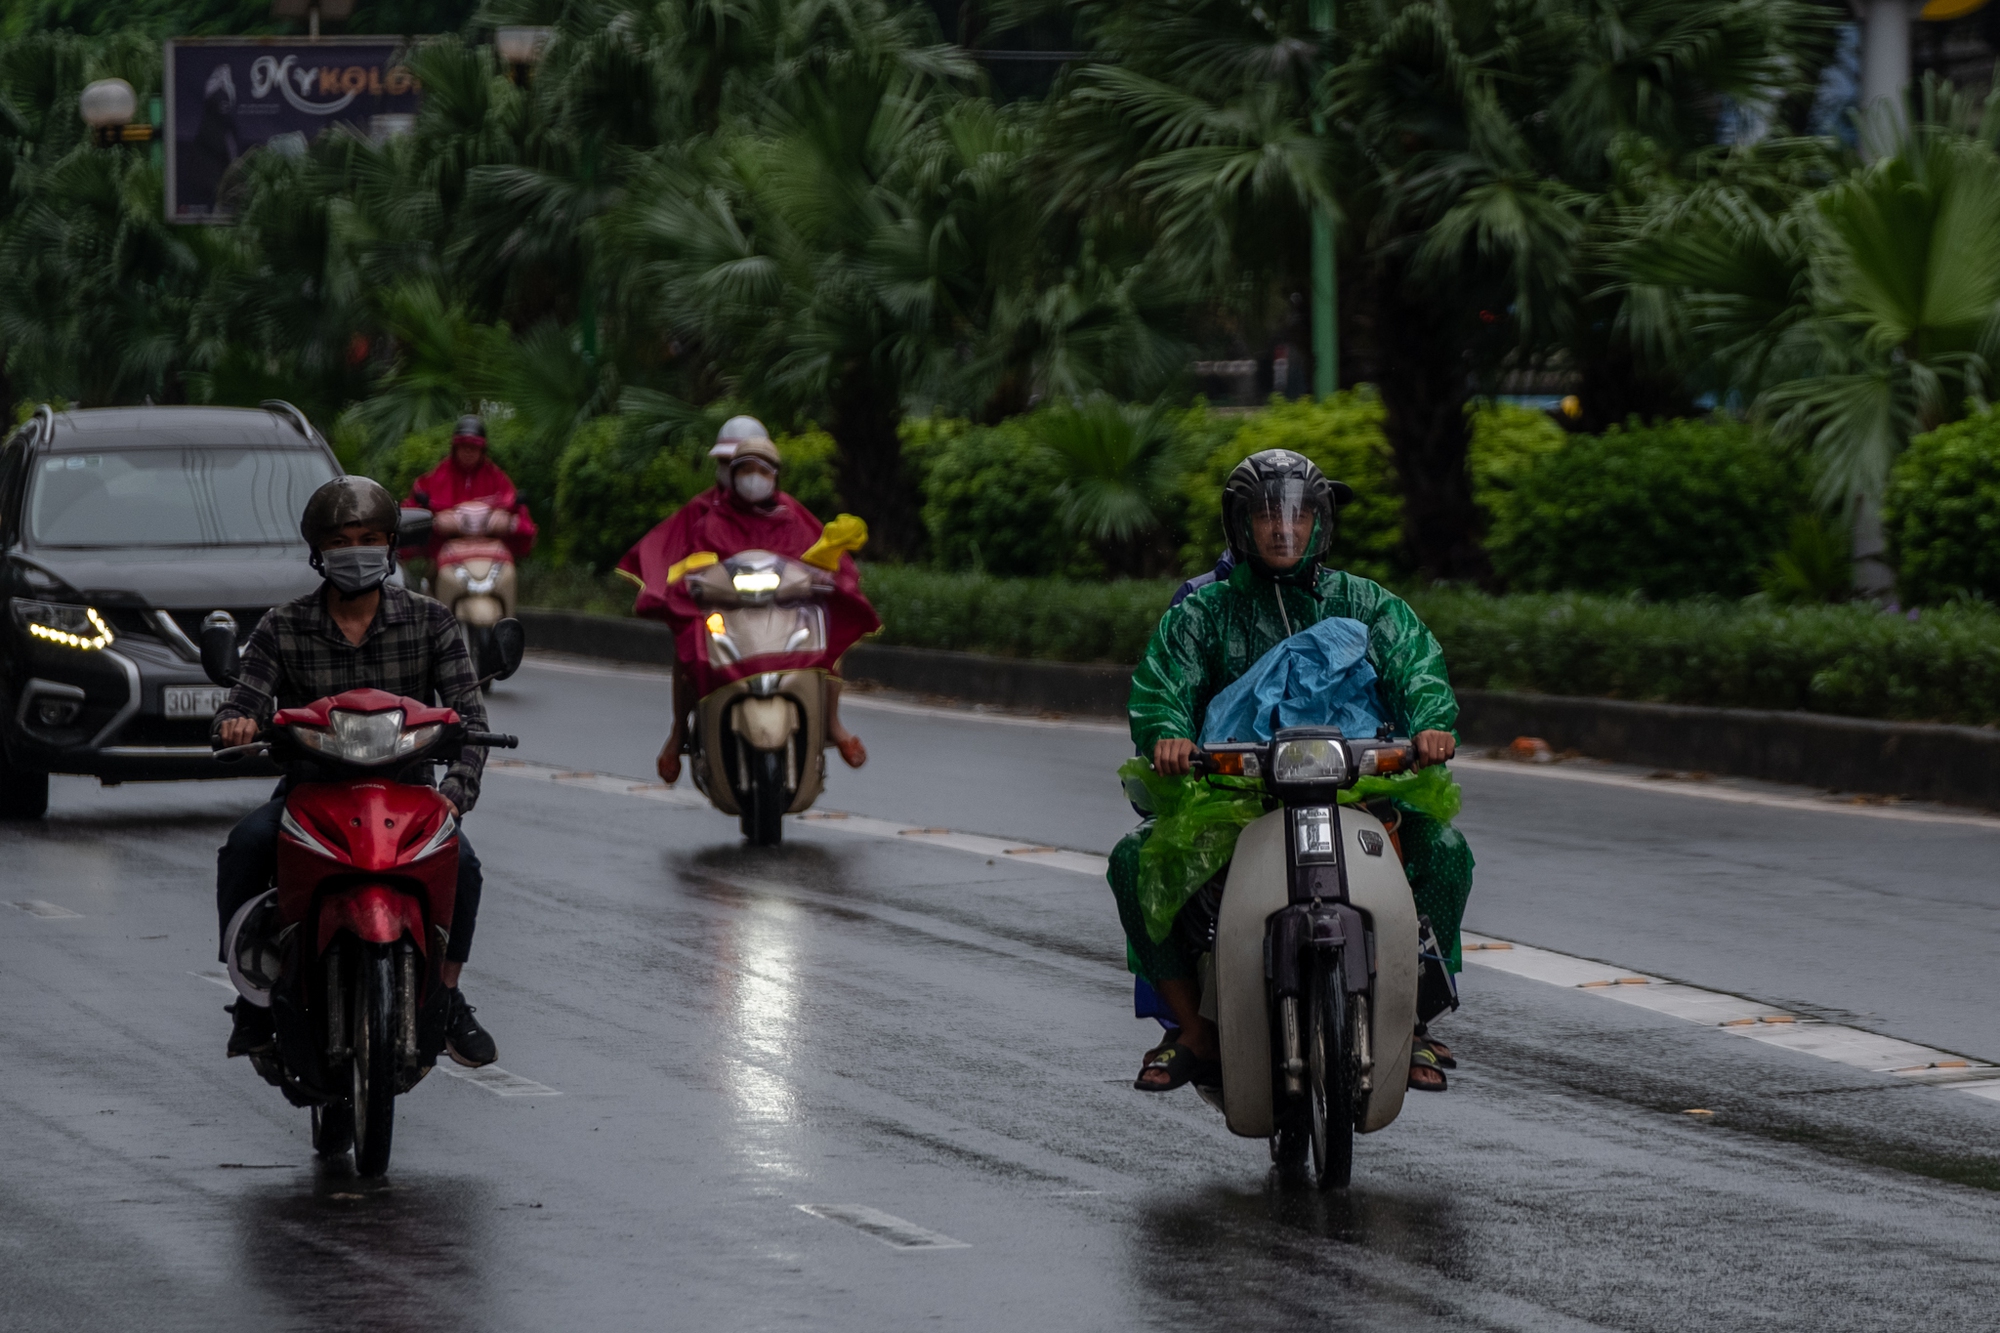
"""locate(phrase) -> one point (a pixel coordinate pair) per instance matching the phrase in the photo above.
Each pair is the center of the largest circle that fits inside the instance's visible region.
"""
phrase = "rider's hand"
(1434, 747)
(1170, 757)
(452, 806)
(237, 730)
(445, 524)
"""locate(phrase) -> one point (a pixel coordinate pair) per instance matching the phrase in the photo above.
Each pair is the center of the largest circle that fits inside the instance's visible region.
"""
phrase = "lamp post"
(1325, 294)
(108, 106)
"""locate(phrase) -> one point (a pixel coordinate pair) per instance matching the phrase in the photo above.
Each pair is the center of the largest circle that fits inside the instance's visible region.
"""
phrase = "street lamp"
(522, 49)
(108, 106)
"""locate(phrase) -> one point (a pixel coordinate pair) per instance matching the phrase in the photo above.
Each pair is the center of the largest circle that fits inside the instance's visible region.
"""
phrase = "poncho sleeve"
(1173, 676)
(1408, 658)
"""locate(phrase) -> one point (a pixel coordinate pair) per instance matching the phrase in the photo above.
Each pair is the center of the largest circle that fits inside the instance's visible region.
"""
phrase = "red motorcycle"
(346, 949)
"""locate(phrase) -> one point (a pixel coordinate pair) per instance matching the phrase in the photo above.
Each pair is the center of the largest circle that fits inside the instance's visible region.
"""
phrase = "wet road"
(854, 1023)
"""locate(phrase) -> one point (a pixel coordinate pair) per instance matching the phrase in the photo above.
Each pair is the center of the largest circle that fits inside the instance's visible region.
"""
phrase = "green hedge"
(1061, 619)
(1942, 513)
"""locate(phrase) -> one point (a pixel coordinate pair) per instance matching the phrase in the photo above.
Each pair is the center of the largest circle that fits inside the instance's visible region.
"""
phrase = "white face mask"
(756, 487)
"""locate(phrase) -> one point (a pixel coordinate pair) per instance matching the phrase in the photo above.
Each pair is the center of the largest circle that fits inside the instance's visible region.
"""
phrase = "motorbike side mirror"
(413, 529)
(510, 643)
(219, 658)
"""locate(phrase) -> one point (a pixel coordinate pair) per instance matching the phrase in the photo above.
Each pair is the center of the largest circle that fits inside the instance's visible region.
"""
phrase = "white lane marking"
(1082, 863)
(891, 1230)
(216, 979)
(1709, 791)
(497, 1080)
(1738, 1016)
(47, 911)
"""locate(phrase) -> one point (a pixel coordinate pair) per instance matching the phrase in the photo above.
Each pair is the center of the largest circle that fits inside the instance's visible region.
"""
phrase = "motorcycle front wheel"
(764, 810)
(374, 1066)
(1332, 1078)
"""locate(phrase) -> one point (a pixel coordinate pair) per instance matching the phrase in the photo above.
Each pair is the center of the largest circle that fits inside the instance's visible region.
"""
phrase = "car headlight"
(1313, 760)
(60, 623)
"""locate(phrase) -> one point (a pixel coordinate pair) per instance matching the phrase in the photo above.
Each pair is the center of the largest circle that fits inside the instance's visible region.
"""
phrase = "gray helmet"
(472, 426)
(1281, 482)
(346, 500)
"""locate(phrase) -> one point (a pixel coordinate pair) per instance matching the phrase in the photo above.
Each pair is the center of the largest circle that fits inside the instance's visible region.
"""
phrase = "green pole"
(1325, 295)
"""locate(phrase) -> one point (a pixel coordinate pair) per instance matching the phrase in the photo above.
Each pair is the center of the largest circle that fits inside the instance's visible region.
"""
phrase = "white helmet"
(735, 431)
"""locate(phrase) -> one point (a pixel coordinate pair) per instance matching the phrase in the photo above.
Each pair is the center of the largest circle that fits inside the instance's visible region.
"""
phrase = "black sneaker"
(252, 1034)
(470, 1044)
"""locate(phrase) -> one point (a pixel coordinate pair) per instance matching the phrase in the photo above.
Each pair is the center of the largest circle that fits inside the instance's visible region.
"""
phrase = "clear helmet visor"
(1283, 524)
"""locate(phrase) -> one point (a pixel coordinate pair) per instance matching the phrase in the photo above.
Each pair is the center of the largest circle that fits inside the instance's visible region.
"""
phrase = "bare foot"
(668, 765)
(851, 749)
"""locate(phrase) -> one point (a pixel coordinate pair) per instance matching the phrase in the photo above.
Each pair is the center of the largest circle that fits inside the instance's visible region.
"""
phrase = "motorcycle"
(757, 746)
(475, 578)
(1311, 954)
(346, 948)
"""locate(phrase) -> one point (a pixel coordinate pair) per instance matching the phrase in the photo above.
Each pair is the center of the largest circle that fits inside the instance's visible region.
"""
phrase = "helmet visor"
(1285, 523)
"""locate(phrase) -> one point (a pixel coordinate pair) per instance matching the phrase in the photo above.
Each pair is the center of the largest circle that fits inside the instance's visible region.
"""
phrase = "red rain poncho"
(448, 484)
(719, 522)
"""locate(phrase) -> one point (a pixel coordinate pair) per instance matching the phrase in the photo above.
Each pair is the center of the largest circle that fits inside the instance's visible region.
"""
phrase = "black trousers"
(244, 866)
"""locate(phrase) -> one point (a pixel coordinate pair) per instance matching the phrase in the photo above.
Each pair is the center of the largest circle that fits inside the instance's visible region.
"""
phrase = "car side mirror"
(510, 642)
(413, 529)
(219, 658)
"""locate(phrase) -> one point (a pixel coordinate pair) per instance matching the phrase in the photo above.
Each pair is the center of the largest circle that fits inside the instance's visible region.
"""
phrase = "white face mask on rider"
(356, 569)
(755, 486)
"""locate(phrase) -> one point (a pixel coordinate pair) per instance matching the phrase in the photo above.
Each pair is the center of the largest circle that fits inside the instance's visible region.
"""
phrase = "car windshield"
(173, 497)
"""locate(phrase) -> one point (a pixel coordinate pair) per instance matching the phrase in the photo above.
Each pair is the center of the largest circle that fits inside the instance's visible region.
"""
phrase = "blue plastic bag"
(1318, 677)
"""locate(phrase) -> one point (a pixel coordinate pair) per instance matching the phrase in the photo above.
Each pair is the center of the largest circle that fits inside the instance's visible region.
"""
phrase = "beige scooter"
(475, 578)
(758, 744)
(1310, 962)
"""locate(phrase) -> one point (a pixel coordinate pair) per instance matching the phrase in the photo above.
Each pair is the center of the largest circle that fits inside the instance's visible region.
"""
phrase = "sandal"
(1182, 1066)
(1436, 1047)
(853, 751)
(1425, 1074)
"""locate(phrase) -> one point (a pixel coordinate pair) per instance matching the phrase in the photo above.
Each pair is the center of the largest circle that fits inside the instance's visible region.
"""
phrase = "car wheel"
(22, 795)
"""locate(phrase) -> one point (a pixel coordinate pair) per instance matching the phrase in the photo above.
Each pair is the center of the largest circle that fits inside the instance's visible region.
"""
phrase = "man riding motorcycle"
(467, 475)
(748, 513)
(356, 631)
(1278, 516)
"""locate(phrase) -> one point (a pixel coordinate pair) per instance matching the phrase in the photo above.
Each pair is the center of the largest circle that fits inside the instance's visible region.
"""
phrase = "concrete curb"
(1922, 761)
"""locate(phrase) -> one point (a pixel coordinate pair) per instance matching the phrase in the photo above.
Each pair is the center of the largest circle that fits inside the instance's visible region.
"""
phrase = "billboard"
(228, 95)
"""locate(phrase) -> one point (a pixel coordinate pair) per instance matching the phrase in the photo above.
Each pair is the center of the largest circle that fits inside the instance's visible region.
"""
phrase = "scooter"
(346, 948)
(757, 746)
(1310, 954)
(475, 578)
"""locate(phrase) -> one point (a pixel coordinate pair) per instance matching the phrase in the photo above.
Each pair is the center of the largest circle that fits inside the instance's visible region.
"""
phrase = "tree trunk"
(869, 472)
(1422, 372)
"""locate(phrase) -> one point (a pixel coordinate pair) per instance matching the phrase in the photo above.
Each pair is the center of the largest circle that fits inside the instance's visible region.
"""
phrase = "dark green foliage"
(1851, 660)
(1942, 513)
(1817, 564)
(613, 485)
(1680, 509)
(1054, 618)
(990, 504)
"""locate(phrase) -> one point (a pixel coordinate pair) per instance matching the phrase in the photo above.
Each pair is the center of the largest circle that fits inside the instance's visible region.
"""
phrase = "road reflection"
(406, 1254)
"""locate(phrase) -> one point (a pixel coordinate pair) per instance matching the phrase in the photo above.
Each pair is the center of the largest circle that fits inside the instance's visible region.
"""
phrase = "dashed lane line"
(1739, 1017)
(891, 1230)
(46, 911)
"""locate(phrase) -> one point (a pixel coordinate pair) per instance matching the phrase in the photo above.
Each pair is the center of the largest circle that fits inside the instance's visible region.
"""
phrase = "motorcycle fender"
(375, 913)
(805, 688)
(479, 609)
(765, 723)
(1378, 887)
(1256, 888)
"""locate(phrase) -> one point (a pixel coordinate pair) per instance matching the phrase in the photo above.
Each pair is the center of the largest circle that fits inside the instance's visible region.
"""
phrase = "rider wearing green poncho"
(1277, 512)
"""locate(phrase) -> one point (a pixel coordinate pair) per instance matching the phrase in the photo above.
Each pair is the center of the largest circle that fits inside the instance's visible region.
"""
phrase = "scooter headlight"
(366, 738)
(1314, 760)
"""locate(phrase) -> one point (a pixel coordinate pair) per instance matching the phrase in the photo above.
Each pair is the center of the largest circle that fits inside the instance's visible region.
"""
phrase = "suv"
(121, 529)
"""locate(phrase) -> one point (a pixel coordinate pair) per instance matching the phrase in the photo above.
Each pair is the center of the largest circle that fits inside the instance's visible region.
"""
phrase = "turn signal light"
(715, 623)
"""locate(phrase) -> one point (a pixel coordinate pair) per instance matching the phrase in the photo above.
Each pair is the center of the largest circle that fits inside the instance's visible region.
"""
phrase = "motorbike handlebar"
(229, 754)
(494, 740)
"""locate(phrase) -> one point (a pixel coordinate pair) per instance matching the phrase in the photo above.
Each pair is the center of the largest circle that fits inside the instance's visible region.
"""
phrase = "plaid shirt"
(414, 648)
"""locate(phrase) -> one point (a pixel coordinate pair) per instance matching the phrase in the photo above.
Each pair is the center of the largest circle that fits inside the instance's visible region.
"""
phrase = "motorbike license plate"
(192, 700)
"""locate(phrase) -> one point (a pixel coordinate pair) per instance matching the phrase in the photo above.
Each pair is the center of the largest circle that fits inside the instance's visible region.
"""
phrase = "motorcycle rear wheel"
(1332, 1079)
(332, 1128)
(374, 1065)
(764, 811)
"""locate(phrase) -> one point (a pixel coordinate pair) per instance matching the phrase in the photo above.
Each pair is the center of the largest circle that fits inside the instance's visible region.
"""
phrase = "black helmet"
(346, 500)
(470, 426)
(1278, 481)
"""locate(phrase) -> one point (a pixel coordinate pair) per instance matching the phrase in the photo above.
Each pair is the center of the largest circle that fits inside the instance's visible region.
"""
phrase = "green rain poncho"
(1212, 638)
